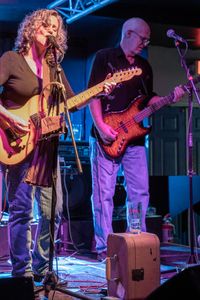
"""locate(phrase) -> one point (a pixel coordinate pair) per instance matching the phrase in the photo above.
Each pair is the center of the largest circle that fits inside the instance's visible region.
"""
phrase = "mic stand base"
(50, 283)
(50, 280)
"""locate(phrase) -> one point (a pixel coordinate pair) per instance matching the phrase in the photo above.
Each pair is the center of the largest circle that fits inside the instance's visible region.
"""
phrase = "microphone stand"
(51, 281)
(67, 116)
(193, 258)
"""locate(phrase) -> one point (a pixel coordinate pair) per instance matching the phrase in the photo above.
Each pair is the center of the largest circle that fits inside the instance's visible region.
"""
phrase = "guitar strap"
(41, 167)
(144, 86)
(46, 80)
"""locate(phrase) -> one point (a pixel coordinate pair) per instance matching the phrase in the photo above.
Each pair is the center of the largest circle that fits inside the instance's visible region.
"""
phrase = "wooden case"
(132, 265)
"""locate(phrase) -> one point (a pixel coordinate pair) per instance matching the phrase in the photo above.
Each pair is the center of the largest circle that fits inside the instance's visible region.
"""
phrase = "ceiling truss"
(72, 10)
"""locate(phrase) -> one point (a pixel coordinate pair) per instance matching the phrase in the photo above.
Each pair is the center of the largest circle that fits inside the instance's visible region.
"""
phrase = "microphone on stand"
(171, 34)
(52, 43)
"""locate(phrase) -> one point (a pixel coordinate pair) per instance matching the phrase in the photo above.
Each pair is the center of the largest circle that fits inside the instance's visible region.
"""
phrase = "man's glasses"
(144, 40)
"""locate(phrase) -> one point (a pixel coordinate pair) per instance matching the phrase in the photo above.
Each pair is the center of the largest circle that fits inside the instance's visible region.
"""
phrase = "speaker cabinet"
(184, 283)
(76, 235)
(17, 288)
(77, 190)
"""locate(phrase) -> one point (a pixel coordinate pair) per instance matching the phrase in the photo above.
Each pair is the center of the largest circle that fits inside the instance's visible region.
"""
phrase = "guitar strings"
(144, 113)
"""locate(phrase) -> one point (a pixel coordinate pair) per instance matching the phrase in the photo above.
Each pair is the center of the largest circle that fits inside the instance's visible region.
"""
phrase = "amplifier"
(66, 151)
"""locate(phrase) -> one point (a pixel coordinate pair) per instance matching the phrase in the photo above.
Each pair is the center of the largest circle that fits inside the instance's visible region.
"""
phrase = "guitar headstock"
(126, 74)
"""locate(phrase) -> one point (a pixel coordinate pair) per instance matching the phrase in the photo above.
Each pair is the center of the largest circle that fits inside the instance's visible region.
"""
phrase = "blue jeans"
(20, 199)
(104, 174)
(43, 196)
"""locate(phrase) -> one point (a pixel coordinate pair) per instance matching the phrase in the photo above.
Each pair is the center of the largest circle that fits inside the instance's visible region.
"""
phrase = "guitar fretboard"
(149, 110)
(83, 97)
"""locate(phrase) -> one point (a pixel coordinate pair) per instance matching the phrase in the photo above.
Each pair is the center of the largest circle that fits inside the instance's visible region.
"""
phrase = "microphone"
(52, 42)
(171, 34)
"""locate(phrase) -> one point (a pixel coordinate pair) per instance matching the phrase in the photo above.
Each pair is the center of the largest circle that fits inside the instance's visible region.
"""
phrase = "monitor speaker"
(17, 288)
(77, 190)
(184, 283)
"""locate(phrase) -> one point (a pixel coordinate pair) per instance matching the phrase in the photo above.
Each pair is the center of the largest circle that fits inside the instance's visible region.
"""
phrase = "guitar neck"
(149, 110)
(83, 97)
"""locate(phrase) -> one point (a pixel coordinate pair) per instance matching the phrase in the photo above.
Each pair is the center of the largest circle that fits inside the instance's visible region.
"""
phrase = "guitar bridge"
(36, 119)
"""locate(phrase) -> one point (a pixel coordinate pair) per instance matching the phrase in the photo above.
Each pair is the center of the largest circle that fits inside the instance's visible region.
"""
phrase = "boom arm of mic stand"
(189, 76)
(66, 112)
(195, 90)
(78, 162)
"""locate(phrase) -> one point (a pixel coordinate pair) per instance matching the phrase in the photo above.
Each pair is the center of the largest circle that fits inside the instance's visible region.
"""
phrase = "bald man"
(134, 38)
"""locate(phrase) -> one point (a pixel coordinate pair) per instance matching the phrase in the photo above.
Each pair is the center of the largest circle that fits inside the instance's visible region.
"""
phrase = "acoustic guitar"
(15, 147)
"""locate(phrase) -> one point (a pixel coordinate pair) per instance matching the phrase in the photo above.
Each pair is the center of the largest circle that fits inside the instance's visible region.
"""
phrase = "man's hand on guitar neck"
(107, 133)
(109, 86)
(178, 94)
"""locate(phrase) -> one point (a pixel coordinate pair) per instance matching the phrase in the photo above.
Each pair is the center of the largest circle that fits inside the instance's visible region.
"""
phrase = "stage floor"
(83, 277)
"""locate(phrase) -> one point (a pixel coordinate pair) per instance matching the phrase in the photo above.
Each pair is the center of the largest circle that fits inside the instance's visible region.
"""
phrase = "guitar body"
(128, 129)
(15, 150)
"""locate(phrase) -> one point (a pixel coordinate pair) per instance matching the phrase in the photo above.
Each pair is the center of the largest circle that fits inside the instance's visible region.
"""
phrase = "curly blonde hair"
(29, 25)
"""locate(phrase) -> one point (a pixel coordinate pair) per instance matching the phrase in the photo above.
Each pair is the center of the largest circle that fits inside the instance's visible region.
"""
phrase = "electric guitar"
(15, 146)
(128, 122)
